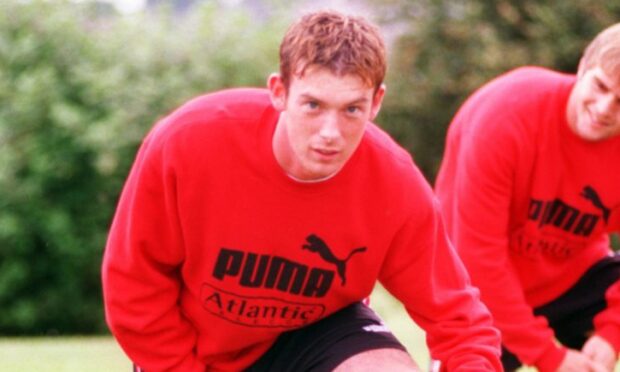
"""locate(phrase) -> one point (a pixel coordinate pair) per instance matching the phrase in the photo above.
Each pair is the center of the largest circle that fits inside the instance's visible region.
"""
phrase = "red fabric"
(213, 250)
(513, 187)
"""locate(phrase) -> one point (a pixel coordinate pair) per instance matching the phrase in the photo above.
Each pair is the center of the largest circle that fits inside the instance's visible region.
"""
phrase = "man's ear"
(377, 100)
(277, 91)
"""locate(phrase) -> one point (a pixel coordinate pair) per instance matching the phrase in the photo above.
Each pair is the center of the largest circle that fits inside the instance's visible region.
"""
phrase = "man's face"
(322, 121)
(593, 110)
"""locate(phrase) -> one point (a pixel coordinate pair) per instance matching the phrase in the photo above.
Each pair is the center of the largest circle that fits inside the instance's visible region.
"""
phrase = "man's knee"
(394, 360)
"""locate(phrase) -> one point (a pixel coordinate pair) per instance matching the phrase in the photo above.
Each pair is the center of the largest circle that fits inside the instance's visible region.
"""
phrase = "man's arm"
(604, 345)
(423, 271)
(141, 279)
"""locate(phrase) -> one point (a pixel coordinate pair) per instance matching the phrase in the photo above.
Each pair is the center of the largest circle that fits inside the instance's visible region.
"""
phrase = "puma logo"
(589, 193)
(317, 245)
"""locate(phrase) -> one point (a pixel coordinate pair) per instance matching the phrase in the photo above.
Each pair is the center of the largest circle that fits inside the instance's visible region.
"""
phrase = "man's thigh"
(354, 335)
(393, 360)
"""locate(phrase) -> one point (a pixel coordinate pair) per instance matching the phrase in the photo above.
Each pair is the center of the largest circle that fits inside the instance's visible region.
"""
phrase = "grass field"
(71, 354)
(102, 354)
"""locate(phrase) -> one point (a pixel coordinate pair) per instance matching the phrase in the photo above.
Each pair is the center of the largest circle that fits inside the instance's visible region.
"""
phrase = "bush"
(79, 88)
(448, 48)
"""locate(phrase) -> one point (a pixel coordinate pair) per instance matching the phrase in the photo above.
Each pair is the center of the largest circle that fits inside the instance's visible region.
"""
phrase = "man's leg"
(392, 360)
(571, 315)
(350, 339)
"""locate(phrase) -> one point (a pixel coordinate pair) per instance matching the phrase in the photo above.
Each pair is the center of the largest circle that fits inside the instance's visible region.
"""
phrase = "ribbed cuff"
(190, 363)
(187, 365)
(551, 358)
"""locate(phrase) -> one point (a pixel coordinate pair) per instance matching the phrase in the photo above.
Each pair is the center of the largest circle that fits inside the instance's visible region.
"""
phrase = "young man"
(255, 222)
(530, 189)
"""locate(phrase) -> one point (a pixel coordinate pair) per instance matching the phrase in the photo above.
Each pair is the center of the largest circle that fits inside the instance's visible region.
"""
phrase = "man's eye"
(352, 109)
(313, 105)
(600, 86)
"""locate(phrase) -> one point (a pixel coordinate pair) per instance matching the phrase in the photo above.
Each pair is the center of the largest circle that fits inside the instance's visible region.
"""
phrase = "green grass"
(62, 354)
(102, 354)
(394, 314)
(408, 333)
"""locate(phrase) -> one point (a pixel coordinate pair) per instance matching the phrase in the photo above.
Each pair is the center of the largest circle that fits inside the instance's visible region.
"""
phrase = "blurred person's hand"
(576, 361)
(600, 351)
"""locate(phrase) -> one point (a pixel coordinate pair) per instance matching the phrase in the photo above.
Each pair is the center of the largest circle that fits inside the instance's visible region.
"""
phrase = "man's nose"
(329, 127)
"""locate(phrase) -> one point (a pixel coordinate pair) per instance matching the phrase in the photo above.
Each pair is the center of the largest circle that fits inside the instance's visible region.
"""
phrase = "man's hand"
(600, 351)
(575, 361)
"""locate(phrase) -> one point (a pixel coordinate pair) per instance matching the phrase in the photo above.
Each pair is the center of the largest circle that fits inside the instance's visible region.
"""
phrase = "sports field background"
(102, 353)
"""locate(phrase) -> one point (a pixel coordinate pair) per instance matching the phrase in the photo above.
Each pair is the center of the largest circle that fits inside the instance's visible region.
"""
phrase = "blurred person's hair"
(604, 52)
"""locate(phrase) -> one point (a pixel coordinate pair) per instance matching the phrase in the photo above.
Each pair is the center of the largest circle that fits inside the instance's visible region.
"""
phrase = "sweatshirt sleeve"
(480, 190)
(141, 268)
(607, 322)
(423, 271)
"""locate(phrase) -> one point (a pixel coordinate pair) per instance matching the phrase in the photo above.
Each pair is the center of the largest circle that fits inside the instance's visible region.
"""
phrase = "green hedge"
(451, 47)
(79, 88)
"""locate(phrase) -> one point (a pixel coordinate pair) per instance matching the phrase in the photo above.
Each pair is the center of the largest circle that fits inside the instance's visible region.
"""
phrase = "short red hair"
(341, 43)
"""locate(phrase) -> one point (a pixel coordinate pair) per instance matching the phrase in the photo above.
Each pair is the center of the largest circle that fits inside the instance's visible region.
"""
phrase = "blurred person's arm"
(475, 186)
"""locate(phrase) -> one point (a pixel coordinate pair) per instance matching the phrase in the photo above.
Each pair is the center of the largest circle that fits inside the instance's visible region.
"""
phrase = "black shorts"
(571, 315)
(323, 345)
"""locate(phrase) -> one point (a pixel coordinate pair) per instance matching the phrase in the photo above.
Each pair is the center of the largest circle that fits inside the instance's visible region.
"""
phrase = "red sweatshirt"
(529, 204)
(214, 251)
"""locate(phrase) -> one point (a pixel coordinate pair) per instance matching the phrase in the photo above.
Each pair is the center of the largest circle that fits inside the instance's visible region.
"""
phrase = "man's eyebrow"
(359, 100)
(307, 96)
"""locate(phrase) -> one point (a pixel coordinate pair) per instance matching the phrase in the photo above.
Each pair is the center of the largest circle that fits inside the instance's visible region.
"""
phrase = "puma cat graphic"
(317, 245)
(589, 193)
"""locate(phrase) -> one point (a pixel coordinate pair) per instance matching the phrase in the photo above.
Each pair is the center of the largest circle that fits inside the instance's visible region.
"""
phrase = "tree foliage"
(78, 90)
(448, 48)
